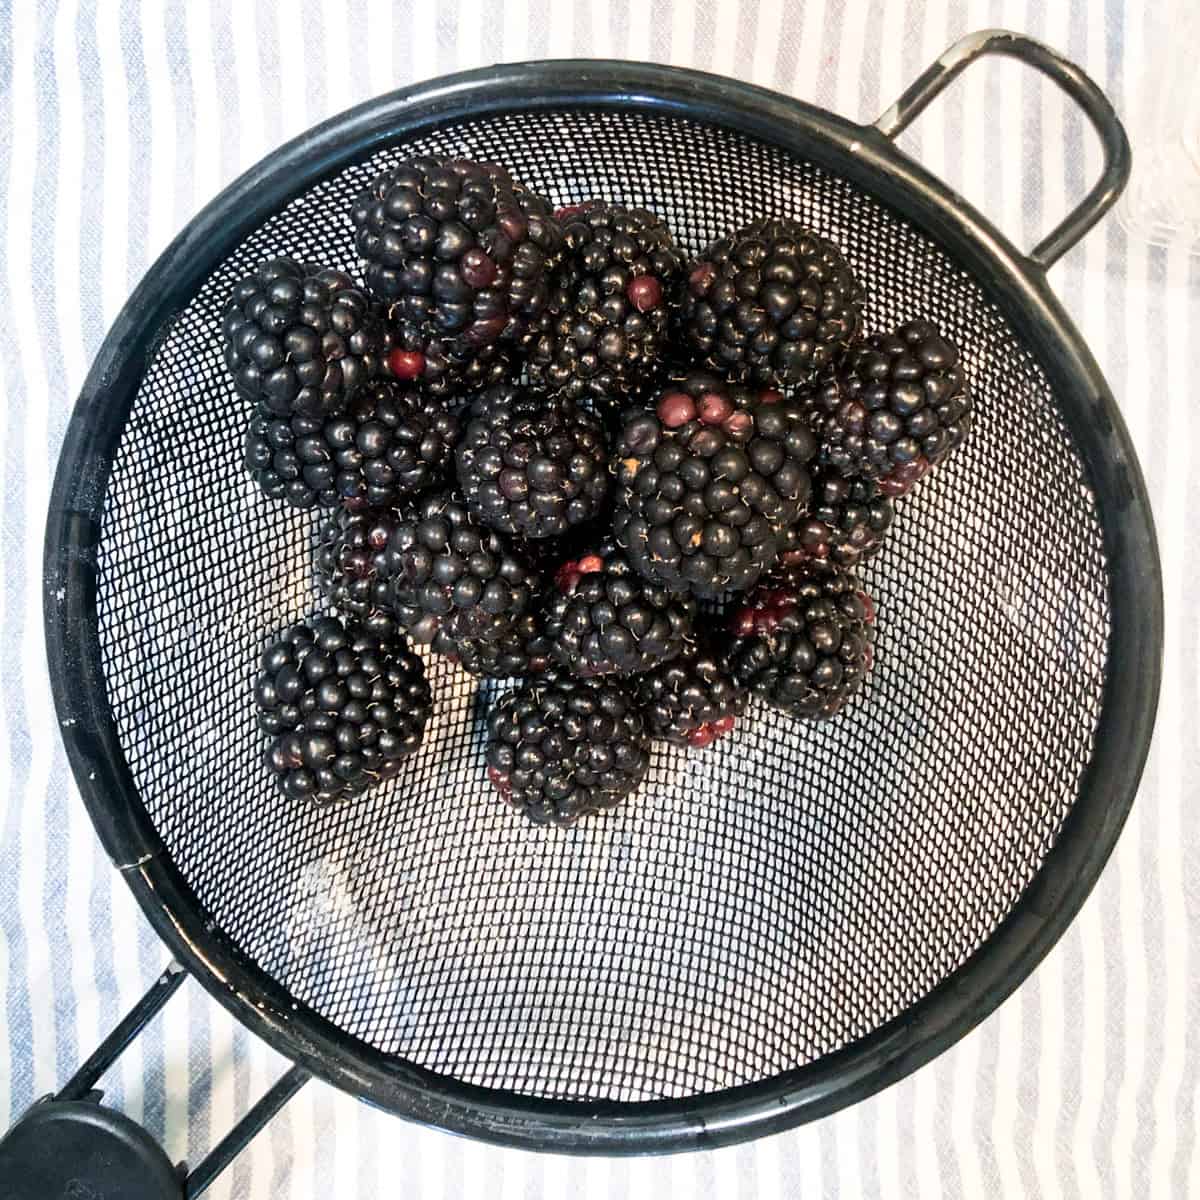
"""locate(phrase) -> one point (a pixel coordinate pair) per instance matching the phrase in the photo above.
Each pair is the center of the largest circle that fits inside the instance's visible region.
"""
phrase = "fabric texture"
(118, 121)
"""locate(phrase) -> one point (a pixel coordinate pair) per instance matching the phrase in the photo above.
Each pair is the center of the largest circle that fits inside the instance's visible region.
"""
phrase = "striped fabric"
(118, 120)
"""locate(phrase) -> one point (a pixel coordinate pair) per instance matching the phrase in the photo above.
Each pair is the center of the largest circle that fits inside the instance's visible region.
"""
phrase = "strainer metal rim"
(869, 159)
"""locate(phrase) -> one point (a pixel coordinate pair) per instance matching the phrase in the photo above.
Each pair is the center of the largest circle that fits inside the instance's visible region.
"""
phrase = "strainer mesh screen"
(755, 907)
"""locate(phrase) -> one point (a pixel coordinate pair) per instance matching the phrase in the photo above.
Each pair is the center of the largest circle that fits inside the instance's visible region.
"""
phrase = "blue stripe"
(139, 145)
(240, 1171)
(17, 1001)
(325, 1154)
(180, 70)
(44, 238)
(1183, 733)
(227, 89)
(269, 72)
(357, 46)
(447, 35)
(314, 56)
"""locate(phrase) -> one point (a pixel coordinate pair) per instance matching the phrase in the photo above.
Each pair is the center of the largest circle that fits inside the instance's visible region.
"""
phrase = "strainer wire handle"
(1114, 144)
(81, 1087)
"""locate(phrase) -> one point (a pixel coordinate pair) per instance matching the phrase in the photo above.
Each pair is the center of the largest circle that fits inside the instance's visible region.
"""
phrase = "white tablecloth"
(119, 120)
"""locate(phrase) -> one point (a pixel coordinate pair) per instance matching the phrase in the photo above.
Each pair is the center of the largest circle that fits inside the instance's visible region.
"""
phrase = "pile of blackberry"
(633, 492)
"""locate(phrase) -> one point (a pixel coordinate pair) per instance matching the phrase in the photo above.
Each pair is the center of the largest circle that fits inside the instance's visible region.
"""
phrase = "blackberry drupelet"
(771, 304)
(300, 339)
(290, 459)
(560, 747)
(392, 441)
(343, 711)
(355, 569)
(709, 481)
(604, 333)
(452, 578)
(529, 464)
(460, 253)
(846, 522)
(804, 644)
(897, 406)
(523, 649)
(608, 620)
(691, 700)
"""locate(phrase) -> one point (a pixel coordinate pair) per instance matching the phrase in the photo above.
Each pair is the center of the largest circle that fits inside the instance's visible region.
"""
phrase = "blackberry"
(771, 304)
(460, 253)
(438, 366)
(343, 711)
(355, 569)
(290, 460)
(523, 649)
(560, 747)
(604, 333)
(452, 578)
(608, 619)
(708, 483)
(300, 339)
(805, 644)
(691, 700)
(530, 464)
(392, 441)
(846, 522)
(898, 405)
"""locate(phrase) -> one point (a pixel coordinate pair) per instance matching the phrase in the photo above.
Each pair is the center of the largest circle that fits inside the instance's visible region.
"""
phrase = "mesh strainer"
(767, 932)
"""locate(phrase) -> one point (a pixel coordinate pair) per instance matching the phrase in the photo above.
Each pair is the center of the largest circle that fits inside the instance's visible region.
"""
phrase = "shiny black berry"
(459, 252)
(300, 339)
(343, 711)
(846, 522)
(898, 405)
(522, 650)
(803, 644)
(691, 700)
(531, 465)
(771, 304)
(604, 334)
(560, 747)
(290, 459)
(355, 566)
(392, 441)
(451, 577)
(607, 619)
(708, 483)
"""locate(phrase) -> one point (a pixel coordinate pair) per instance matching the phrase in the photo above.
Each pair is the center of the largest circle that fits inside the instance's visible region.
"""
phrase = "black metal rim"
(866, 157)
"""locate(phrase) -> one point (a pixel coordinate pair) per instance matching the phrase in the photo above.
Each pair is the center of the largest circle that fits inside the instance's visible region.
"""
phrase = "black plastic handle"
(106, 1154)
(1115, 145)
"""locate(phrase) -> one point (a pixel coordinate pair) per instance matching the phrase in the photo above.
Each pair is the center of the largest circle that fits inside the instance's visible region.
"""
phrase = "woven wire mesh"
(753, 908)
